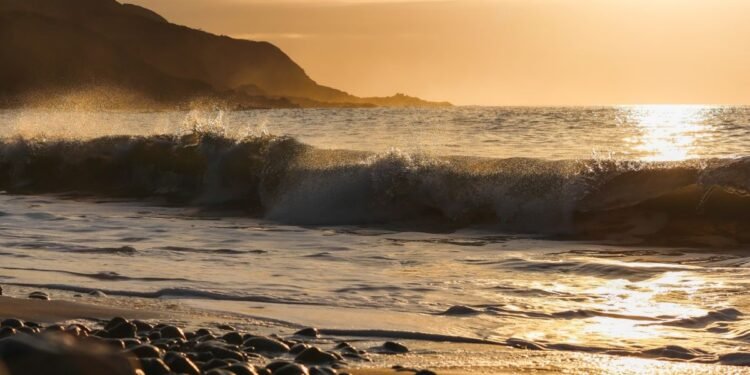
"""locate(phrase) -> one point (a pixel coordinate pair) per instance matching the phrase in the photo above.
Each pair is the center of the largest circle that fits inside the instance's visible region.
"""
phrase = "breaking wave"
(703, 202)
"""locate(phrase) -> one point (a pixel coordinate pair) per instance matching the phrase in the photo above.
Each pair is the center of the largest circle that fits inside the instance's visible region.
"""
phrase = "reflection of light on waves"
(638, 366)
(642, 299)
(667, 132)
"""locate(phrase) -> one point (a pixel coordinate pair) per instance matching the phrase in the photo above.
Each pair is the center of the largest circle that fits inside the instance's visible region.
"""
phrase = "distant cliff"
(52, 47)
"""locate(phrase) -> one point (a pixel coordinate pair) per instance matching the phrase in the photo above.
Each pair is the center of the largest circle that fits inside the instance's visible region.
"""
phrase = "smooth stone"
(292, 369)
(114, 322)
(218, 371)
(241, 369)
(146, 351)
(203, 332)
(73, 330)
(225, 327)
(124, 330)
(201, 356)
(39, 295)
(214, 363)
(60, 354)
(131, 343)
(234, 338)
(425, 372)
(298, 348)
(28, 330)
(55, 328)
(142, 326)
(318, 370)
(172, 332)
(154, 366)
(267, 345)
(314, 355)
(308, 332)
(1, 290)
(395, 347)
(115, 343)
(220, 351)
(13, 323)
(82, 327)
(181, 364)
(7, 332)
(275, 365)
(461, 310)
(153, 336)
(208, 337)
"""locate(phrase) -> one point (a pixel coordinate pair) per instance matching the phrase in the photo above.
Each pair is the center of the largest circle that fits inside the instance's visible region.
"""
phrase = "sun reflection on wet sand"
(667, 132)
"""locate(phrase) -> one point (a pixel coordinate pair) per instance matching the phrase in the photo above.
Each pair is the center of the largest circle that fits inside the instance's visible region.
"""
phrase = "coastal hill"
(49, 47)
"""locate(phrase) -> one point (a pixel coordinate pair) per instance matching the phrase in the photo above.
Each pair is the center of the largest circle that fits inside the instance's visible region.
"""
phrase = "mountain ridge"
(52, 47)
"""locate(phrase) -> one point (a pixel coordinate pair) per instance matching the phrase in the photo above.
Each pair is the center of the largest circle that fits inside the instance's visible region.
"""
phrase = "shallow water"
(427, 247)
(597, 297)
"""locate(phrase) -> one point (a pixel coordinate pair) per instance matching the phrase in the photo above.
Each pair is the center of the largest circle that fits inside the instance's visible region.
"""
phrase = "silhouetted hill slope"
(52, 44)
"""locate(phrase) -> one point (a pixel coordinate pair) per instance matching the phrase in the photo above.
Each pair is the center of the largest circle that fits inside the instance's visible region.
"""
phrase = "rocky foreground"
(121, 346)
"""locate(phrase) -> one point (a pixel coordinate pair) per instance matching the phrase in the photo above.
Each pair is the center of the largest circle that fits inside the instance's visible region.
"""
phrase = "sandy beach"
(439, 357)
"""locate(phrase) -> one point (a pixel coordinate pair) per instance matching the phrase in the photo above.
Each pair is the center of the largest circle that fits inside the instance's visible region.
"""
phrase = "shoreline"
(439, 357)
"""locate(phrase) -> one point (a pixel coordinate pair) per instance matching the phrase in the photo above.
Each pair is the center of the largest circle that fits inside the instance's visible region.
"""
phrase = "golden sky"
(501, 52)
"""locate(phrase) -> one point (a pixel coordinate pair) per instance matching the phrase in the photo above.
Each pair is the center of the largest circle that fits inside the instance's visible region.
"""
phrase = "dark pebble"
(114, 322)
(267, 345)
(215, 363)
(146, 351)
(142, 326)
(461, 310)
(292, 369)
(13, 323)
(314, 355)
(234, 338)
(154, 366)
(218, 371)
(425, 372)
(241, 369)
(55, 328)
(298, 348)
(308, 332)
(28, 330)
(123, 330)
(225, 327)
(395, 347)
(7, 331)
(181, 364)
(317, 370)
(203, 332)
(59, 354)
(39, 295)
(115, 343)
(172, 332)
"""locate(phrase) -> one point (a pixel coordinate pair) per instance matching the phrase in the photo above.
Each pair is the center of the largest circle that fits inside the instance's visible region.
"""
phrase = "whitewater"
(616, 230)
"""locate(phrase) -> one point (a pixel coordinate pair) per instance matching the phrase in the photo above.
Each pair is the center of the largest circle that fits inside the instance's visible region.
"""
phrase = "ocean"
(620, 230)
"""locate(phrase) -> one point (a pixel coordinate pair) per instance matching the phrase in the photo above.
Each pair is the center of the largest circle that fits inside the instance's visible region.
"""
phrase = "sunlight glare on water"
(668, 132)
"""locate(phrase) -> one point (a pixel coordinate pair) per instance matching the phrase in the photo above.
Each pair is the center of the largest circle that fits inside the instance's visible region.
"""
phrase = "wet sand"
(440, 357)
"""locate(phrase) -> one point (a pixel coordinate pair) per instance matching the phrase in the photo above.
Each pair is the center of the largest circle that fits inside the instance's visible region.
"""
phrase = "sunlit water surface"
(651, 133)
(566, 295)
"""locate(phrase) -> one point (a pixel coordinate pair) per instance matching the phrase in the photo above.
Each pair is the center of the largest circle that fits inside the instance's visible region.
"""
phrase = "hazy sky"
(503, 52)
